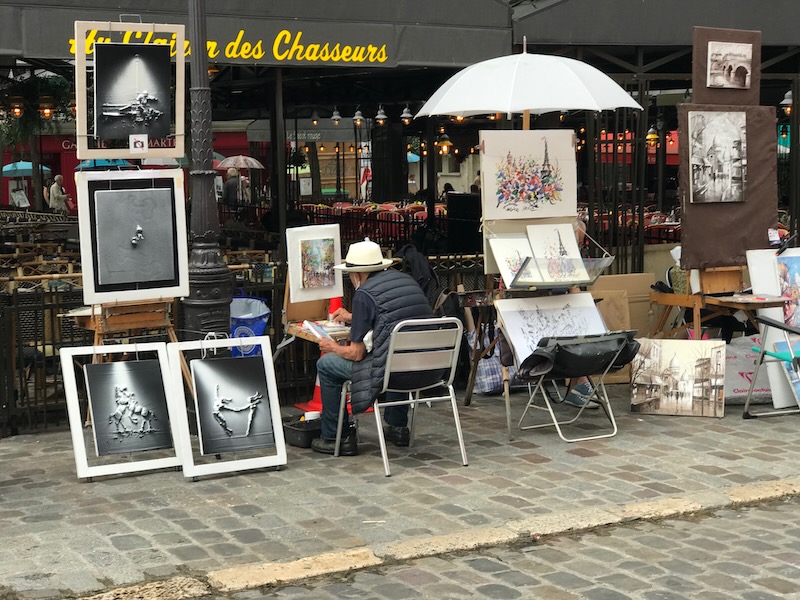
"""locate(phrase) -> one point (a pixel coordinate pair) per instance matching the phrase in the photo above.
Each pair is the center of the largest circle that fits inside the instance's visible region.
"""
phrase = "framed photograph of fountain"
(128, 425)
(138, 78)
(235, 406)
(311, 253)
(528, 174)
(718, 156)
(132, 235)
(679, 377)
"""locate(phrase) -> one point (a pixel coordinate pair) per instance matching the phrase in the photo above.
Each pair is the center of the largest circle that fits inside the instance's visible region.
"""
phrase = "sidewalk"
(63, 538)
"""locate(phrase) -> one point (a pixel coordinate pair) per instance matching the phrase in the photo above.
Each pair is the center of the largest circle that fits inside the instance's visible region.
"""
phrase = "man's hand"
(342, 315)
(328, 345)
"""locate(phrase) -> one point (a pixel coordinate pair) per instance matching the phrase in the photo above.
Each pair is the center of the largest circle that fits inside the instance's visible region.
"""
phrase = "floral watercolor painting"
(317, 260)
(556, 252)
(528, 174)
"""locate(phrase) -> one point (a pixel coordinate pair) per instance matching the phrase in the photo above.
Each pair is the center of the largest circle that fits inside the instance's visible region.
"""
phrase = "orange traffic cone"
(315, 404)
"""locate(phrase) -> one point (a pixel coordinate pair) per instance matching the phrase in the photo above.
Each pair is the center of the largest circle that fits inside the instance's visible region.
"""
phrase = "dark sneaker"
(581, 395)
(399, 436)
(348, 447)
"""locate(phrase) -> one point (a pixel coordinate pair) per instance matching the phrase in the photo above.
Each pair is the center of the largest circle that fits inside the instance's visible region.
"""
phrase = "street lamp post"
(207, 308)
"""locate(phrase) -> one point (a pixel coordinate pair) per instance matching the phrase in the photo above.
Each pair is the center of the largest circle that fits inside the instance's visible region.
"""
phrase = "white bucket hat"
(364, 257)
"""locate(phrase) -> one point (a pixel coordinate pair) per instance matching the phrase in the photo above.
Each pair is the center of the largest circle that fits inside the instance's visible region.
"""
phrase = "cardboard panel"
(613, 307)
(717, 234)
(637, 288)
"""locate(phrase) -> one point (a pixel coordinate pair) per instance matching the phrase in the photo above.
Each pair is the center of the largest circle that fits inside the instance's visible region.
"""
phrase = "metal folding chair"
(558, 358)
(789, 357)
(428, 349)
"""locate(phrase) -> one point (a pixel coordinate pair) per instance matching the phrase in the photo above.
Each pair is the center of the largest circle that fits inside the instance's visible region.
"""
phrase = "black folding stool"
(558, 358)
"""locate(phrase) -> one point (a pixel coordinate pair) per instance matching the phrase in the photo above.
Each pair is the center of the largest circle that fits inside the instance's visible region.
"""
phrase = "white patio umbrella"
(535, 83)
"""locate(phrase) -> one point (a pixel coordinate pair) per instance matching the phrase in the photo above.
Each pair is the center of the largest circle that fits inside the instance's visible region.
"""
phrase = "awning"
(445, 33)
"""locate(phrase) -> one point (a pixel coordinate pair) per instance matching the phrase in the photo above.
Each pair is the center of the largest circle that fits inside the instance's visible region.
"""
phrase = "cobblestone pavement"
(747, 553)
(62, 537)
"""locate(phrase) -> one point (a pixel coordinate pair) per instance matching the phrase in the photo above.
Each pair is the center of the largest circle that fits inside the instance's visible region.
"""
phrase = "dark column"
(208, 306)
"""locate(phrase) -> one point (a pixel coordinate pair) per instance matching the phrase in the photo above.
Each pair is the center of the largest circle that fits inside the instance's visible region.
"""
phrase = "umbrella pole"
(526, 120)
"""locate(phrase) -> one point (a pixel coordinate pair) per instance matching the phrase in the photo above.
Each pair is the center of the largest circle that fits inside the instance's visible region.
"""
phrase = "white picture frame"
(528, 174)
(112, 207)
(194, 464)
(79, 433)
(117, 32)
(307, 245)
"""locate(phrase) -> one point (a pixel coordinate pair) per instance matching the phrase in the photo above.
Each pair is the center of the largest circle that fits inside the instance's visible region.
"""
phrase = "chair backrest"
(418, 345)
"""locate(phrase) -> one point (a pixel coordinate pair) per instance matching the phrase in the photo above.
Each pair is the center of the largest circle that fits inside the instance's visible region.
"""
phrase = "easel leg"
(187, 374)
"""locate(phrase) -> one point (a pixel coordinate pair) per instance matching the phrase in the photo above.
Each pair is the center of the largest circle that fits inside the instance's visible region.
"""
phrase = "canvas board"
(143, 454)
(528, 174)
(718, 156)
(510, 253)
(248, 387)
(729, 65)
(510, 228)
(762, 267)
(788, 271)
(556, 252)
(679, 377)
(527, 320)
(311, 253)
(132, 235)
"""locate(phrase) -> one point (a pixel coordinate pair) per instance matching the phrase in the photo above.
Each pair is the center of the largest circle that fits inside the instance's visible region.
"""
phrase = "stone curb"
(569, 521)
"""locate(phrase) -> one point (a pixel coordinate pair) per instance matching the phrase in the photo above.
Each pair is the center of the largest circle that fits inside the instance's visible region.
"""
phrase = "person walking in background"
(58, 196)
(230, 189)
(46, 192)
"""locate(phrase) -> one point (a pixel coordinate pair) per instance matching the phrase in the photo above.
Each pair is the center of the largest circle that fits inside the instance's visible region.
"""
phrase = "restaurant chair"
(429, 349)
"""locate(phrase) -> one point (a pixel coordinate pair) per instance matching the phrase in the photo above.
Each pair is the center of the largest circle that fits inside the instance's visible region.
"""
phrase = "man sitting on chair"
(383, 298)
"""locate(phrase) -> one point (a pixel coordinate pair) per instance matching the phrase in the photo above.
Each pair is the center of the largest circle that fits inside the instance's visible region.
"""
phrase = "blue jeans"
(333, 371)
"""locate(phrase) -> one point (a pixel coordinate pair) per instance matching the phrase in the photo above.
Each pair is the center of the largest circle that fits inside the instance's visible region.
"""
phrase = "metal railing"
(34, 327)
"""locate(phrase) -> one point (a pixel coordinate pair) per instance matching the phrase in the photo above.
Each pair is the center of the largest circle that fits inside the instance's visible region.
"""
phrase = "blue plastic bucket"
(249, 318)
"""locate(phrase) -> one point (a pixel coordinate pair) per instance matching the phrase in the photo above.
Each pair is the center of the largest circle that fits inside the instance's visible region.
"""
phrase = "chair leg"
(600, 396)
(342, 413)
(454, 404)
(507, 398)
(381, 438)
(412, 419)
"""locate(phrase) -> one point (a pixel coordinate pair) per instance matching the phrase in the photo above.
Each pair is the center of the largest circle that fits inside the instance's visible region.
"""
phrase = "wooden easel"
(713, 280)
(130, 318)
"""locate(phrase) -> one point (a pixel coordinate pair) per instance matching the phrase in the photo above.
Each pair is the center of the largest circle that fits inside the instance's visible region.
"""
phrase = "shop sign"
(286, 45)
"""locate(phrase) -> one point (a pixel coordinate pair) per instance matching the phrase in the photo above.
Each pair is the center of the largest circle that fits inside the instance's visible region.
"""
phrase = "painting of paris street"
(729, 65)
(717, 156)
(679, 377)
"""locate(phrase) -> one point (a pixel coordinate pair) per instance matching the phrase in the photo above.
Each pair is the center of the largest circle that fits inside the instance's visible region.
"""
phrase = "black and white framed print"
(129, 406)
(133, 235)
(138, 77)
(229, 399)
(132, 91)
(129, 422)
(235, 400)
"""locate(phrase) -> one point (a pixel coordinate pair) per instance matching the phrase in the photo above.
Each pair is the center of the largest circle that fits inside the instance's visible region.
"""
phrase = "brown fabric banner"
(715, 231)
(731, 72)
